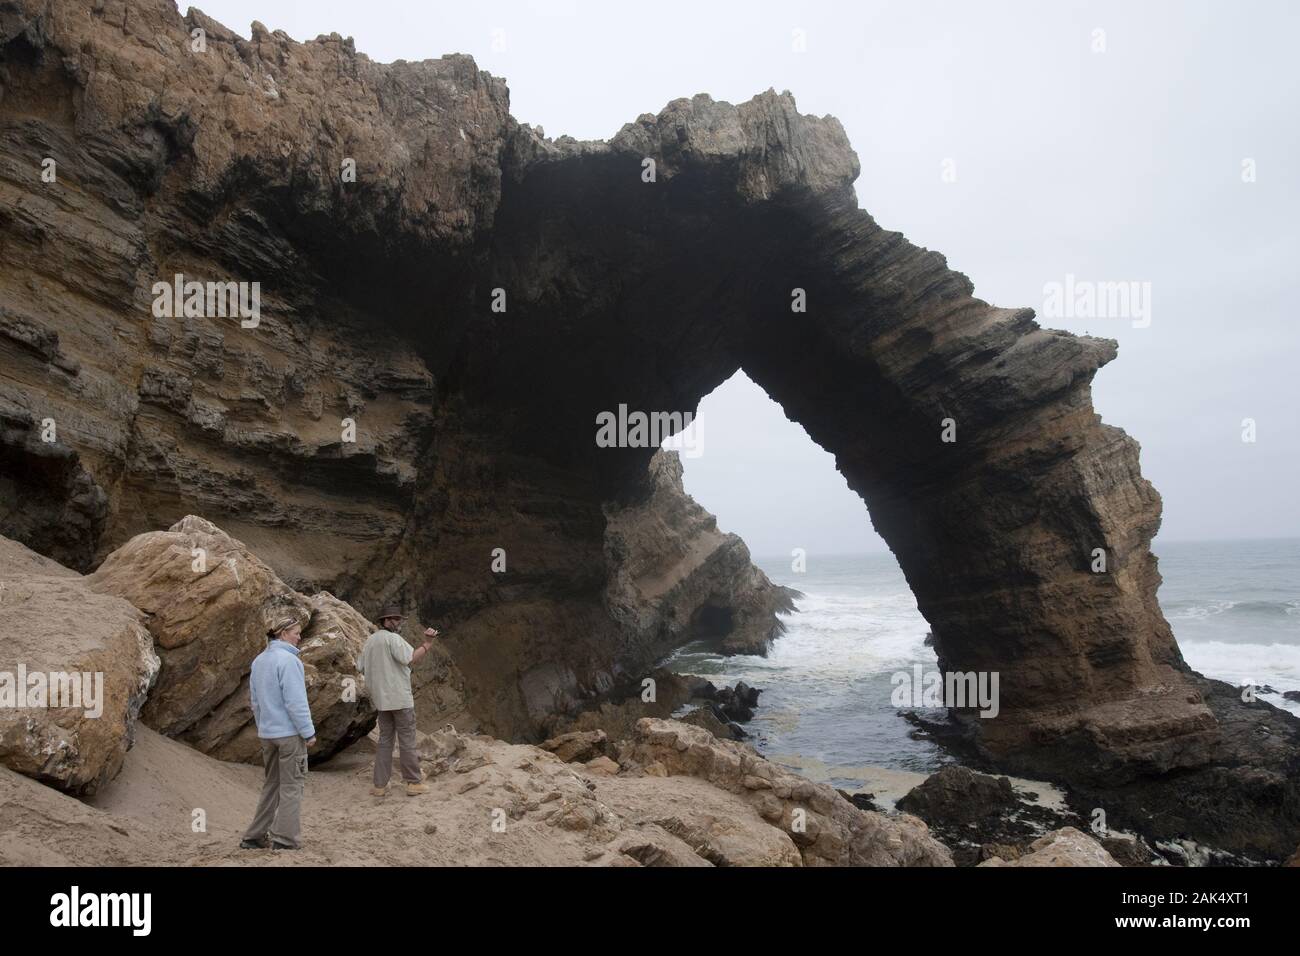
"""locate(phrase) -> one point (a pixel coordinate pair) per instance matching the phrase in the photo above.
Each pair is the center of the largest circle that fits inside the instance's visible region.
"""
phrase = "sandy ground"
(545, 812)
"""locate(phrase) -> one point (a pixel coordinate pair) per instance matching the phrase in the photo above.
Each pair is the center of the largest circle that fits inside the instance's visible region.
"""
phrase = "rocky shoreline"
(978, 814)
(621, 782)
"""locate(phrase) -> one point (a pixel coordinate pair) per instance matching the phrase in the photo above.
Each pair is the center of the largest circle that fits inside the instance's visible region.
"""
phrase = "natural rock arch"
(477, 426)
(651, 294)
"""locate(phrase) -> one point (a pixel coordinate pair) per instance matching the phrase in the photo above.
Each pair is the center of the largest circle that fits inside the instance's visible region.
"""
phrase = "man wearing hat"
(277, 691)
(386, 662)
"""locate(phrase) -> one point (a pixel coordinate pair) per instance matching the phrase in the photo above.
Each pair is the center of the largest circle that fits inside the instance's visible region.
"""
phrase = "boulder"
(708, 718)
(958, 795)
(331, 644)
(1128, 851)
(724, 841)
(602, 765)
(73, 729)
(738, 703)
(1064, 847)
(826, 828)
(747, 695)
(209, 602)
(580, 746)
(341, 711)
(654, 847)
(1002, 852)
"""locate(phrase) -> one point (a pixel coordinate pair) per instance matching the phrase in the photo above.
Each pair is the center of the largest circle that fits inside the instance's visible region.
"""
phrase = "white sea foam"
(1277, 665)
(1201, 611)
(827, 686)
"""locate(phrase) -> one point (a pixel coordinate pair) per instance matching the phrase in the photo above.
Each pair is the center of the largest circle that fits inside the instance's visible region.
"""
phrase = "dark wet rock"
(862, 800)
(1129, 851)
(970, 812)
(738, 703)
(616, 711)
(1245, 803)
(714, 721)
(956, 795)
(747, 695)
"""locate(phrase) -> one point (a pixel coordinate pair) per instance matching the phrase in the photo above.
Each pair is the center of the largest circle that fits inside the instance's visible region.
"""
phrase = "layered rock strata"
(439, 333)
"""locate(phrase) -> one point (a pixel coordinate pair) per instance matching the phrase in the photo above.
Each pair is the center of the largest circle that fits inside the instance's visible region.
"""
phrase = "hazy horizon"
(775, 556)
(1027, 143)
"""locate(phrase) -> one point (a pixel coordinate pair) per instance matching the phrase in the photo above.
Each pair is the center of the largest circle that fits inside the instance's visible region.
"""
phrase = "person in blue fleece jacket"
(277, 691)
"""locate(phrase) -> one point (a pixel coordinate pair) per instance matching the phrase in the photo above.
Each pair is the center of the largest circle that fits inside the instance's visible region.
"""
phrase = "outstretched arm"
(429, 634)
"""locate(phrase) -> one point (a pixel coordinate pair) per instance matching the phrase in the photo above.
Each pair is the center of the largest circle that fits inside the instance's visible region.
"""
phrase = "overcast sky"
(1122, 165)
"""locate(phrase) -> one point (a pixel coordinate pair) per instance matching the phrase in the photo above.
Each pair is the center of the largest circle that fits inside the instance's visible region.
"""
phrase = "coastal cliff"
(448, 300)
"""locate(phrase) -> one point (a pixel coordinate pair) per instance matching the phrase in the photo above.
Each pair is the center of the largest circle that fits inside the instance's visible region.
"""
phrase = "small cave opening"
(713, 622)
(48, 501)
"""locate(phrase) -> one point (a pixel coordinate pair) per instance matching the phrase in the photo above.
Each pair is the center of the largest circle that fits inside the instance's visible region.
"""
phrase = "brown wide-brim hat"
(391, 610)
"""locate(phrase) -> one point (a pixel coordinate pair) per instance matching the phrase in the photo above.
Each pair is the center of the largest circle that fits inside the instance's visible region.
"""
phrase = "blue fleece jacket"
(277, 690)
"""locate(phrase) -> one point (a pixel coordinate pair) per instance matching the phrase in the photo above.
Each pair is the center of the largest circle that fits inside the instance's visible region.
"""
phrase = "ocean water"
(826, 707)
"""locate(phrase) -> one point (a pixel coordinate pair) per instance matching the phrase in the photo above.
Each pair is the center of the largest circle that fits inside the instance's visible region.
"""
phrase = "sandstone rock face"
(1064, 847)
(666, 553)
(97, 647)
(316, 437)
(827, 829)
(208, 602)
(228, 165)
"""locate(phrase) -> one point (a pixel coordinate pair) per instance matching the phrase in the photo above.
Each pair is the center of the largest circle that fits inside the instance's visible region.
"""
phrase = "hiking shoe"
(277, 846)
(261, 844)
(415, 789)
(379, 791)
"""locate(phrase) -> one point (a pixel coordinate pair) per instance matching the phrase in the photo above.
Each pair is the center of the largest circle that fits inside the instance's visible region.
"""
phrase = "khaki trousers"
(284, 760)
(401, 723)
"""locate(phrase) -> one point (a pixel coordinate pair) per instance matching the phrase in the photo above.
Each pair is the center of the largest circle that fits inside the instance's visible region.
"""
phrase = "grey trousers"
(284, 759)
(401, 722)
